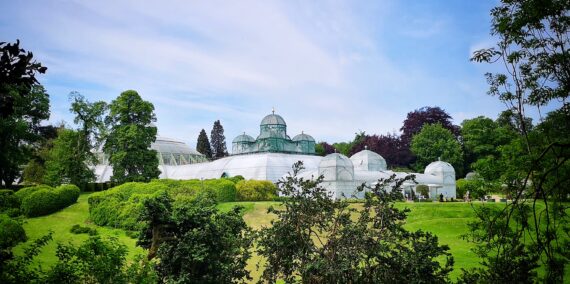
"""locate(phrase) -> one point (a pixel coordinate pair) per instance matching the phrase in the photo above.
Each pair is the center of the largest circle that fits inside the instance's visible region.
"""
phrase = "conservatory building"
(272, 154)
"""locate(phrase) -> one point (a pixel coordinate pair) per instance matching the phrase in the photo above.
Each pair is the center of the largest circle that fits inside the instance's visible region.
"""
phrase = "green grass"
(447, 220)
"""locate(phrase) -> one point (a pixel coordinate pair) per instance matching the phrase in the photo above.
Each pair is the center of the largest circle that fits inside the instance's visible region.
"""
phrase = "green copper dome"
(303, 137)
(243, 138)
(273, 119)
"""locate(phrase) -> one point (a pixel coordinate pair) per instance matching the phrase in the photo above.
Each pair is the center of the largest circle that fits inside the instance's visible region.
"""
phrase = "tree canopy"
(129, 139)
(435, 142)
(24, 103)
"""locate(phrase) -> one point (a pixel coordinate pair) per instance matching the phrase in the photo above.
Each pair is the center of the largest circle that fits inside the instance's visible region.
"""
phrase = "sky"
(330, 68)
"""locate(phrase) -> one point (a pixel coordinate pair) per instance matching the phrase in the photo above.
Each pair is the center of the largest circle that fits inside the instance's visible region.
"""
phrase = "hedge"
(46, 200)
(9, 203)
(26, 191)
(120, 206)
(255, 190)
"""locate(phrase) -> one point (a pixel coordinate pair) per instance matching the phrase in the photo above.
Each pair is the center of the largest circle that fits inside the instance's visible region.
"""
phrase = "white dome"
(439, 168)
(336, 167)
(367, 160)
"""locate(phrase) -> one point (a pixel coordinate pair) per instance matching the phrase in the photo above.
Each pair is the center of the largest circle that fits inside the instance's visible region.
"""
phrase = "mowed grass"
(447, 220)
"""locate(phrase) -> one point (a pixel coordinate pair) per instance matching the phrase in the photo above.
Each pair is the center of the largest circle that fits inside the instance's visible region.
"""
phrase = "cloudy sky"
(330, 68)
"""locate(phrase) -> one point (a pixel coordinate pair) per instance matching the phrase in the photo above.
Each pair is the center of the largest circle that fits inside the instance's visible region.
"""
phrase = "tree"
(129, 139)
(482, 138)
(317, 239)
(416, 120)
(389, 146)
(194, 242)
(24, 103)
(219, 149)
(533, 47)
(90, 119)
(324, 148)
(66, 161)
(435, 142)
(203, 145)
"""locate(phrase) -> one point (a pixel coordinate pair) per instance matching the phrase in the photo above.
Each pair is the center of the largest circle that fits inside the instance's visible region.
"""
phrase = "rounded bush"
(9, 202)
(255, 190)
(26, 191)
(40, 202)
(67, 194)
(11, 232)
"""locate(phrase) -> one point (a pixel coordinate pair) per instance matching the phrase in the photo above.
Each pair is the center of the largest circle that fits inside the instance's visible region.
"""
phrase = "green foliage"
(256, 190)
(9, 203)
(19, 269)
(128, 142)
(316, 239)
(434, 142)
(66, 163)
(121, 205)
(46, 200)
(24, 103)
(203, 145)
(89, 117)
(98, 260)
(78, 229)
(34, 172)
(11, 233)
(194, 242)
(26, 191)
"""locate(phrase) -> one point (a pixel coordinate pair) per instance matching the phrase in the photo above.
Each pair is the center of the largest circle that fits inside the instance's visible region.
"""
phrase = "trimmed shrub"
(25, 192)
(9, 203)
(40, 202)
(67, 194)
(78, 229)
(255, 190)
(11, 232)
(120, 206)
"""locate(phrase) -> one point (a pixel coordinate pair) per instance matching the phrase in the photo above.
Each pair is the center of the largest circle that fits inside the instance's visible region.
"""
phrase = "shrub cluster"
(255, 190)
(9, 203)
(78, 229)
(43, 200)
(11, 232)
(121, 206)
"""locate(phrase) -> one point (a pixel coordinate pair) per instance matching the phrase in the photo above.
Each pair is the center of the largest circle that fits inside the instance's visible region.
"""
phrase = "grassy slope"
(448, 221)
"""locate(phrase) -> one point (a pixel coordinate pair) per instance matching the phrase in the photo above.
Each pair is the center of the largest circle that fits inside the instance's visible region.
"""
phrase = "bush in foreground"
(9, 203)
(39, 201)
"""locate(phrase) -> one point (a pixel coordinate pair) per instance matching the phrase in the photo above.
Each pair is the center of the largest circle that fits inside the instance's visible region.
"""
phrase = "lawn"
(447, 220)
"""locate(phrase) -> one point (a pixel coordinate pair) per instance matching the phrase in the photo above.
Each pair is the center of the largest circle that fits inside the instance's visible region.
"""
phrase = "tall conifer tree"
(203, 145)
(219, 149)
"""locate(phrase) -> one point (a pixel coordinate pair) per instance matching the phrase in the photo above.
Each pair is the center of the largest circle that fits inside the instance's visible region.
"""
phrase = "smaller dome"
(367, 160)
(303, 137)
(335, 167)
(243, 138)
(273, 119)
(439, 168)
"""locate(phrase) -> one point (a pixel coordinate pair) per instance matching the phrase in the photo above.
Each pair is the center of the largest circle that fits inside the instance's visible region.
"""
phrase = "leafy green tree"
(533, 47)
(66, 162)
(194, 242)
(434, 142)
(24, 103)
(482, 138)
(316, 239)
(203, 145)
(90, 119)
(324, 148)
(129, 139)
(219, 149)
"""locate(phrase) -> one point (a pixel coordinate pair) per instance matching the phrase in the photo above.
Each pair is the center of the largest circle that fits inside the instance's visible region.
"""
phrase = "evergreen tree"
(129, 139)
(219, 149)
(203, 145)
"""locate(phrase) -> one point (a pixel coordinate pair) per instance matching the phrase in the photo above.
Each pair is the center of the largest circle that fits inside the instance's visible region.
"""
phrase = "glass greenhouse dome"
(171, 152)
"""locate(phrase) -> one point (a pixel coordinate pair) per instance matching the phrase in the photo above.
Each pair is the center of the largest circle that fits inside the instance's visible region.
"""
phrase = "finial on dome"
(302, 132)
(244, 133)
(273, 110)
(439, 158)
(365, 147)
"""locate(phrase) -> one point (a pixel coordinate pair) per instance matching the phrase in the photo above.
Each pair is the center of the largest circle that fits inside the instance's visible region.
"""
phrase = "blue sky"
(330, 68)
